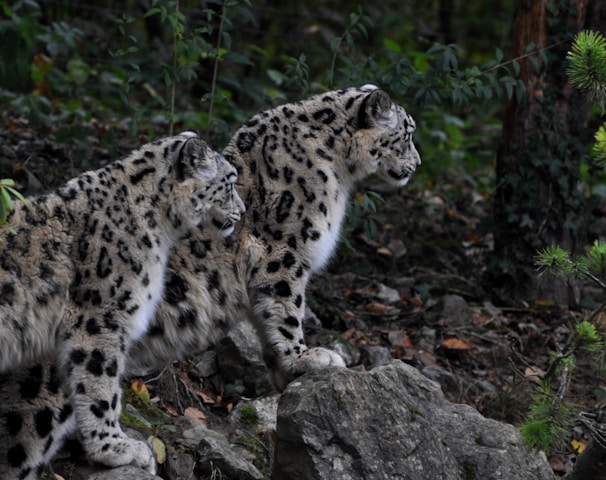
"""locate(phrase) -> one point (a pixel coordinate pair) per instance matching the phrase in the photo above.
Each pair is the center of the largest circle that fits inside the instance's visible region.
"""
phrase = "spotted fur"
(79, 281)
(297, 166)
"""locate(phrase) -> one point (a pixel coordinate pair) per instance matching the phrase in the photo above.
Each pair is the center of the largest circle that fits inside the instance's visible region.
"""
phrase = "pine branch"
(587, 70)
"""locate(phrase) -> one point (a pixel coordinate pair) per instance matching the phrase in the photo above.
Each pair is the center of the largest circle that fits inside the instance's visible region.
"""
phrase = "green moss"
(248, 415)
(340, 403)
(132, 421)
(415, 411)
(469, 472)
(260, 449)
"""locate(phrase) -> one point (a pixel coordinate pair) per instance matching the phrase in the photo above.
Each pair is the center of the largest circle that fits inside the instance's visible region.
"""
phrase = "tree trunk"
(537, 202)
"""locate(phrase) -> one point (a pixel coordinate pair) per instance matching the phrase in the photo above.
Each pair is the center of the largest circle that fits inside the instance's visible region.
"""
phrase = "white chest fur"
(323, 248)
(152, 295)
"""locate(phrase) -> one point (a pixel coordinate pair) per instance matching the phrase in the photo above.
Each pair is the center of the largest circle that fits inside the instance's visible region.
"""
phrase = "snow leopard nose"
(239, 203)
(415, 155)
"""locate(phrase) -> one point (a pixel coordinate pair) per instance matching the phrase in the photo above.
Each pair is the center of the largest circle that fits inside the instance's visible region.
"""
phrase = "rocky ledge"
(392, 423)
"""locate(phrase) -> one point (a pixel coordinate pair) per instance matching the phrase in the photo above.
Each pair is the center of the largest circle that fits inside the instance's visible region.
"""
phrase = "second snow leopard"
(297, 164)
(81, 272)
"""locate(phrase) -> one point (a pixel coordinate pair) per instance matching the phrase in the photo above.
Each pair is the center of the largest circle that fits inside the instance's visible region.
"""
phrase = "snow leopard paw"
(312, 359)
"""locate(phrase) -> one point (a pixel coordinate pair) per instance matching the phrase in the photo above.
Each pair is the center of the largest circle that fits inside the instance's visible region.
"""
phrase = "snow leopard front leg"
(94, 357)
(278, 307)
(35, 418)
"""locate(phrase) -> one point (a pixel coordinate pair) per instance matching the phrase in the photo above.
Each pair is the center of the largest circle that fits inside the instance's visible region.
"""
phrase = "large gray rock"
(239, 359)
(216, 454)
(392, 423)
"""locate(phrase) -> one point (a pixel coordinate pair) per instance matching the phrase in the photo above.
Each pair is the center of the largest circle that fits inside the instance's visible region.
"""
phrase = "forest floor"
(430, 247)
(389, 290)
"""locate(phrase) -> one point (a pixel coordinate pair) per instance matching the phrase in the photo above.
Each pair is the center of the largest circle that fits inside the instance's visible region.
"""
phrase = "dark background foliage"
(64, 63)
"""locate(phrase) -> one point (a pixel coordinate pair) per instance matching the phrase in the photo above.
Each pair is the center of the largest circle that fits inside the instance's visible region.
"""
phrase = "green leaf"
(78, 70)
(275, 76)
(436, 47)
(526, 221)
(3, 212)
(158, 447)
(516, 68)
(6, 199)
(238, 58)
(535, 64)
(450, 60)
(392, 45)
(509, 90)
(362, 30)
(530, 47)
(334, 43)
(498, 55)
(151, 11)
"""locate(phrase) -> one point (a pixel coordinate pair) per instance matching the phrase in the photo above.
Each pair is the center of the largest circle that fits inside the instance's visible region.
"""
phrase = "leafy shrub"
(202, 69)
(206, 52)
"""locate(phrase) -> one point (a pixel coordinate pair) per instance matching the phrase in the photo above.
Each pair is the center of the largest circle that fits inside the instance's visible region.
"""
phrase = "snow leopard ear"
(377, 109)
(195, 158)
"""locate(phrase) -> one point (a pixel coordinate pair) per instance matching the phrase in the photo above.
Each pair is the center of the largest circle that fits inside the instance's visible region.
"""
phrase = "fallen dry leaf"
(349, 333)
(426, 358)
(404, 342)
(480, 318)
(208, 397)
(577, 445)
(455, 344)
(412, 300)
(385, 251)
(138, 386)
(377, 308)
(159, 448)
(534, 374)
(170, 410)
(402, 345)
(195, 414)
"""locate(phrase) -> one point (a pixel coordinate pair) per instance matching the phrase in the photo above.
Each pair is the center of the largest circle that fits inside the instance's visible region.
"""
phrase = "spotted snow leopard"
(81, 272)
